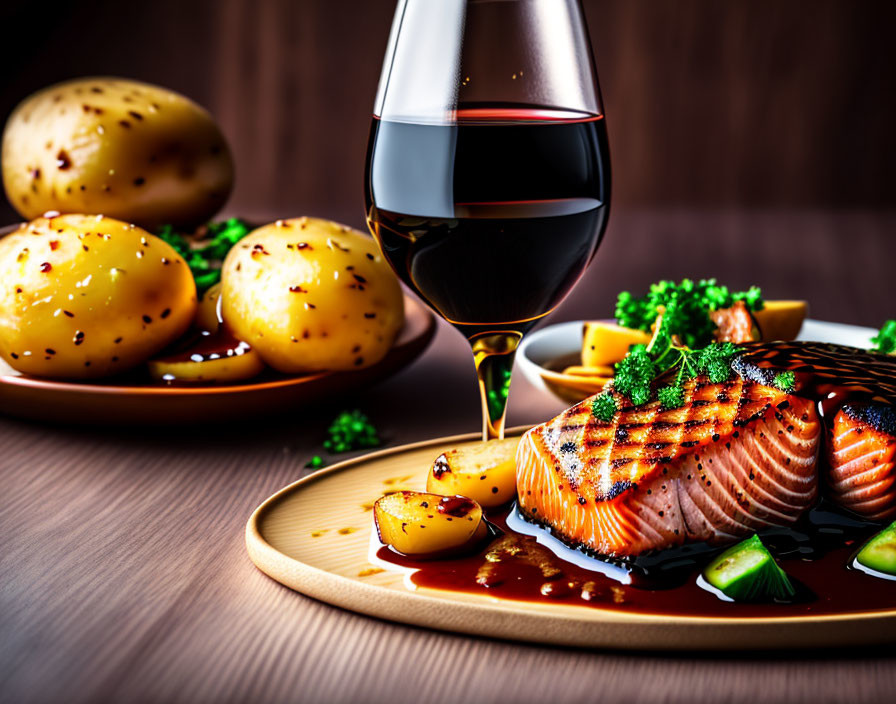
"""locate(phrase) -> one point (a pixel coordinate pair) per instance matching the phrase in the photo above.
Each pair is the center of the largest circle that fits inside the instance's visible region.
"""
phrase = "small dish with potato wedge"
(123, 300)
(576, 359)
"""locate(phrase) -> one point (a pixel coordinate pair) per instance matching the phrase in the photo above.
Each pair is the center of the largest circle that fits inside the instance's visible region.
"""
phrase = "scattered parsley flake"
(315, 462)
(351, 430)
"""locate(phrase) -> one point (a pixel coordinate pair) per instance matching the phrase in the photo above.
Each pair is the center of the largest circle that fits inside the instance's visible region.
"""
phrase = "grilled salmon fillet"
(857, 389)
(861, 468)
(737, 457)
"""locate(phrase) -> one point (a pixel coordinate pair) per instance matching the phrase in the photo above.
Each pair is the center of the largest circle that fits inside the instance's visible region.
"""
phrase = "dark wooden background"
(759, 103)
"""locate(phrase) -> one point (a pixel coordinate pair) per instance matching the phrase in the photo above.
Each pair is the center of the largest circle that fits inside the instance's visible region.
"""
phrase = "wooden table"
(123, 575)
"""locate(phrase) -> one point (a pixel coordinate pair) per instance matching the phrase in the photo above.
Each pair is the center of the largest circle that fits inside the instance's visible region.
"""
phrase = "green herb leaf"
(671, 396)
(603, 407)
(634, 375)
(885, 340)
(204, 257)
(315, 462)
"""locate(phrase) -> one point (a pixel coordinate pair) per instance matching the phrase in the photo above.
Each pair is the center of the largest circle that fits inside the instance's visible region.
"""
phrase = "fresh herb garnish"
(641, 367)
(351, 430)
(785, 381)
(685, 307)
(603, 407)
(204, 256)
(885, 340)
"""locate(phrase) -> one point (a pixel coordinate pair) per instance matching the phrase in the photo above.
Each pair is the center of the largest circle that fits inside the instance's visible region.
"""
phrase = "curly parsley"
(204, 256)
(885, 340)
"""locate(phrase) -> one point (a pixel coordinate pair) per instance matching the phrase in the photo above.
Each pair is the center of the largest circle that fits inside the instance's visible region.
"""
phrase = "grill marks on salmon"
(861, 467)
(737, 457)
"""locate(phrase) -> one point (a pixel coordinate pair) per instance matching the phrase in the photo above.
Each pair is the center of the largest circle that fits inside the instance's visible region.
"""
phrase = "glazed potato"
(414, 523)
(125, 149)
(87, 296)
(311, 295)
(484, 472)
(230, 362)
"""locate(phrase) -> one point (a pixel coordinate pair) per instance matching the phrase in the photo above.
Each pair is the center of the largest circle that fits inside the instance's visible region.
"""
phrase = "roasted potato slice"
(232, 362)
(416, 523)
(484, 472)
(604, 344)
(208, 314)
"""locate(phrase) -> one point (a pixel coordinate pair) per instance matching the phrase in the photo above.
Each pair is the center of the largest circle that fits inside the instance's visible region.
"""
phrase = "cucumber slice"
(748, 572)
(879, 553)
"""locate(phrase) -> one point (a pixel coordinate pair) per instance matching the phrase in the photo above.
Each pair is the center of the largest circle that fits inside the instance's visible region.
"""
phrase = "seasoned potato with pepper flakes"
(311, 295)
(419, 524)
(87, 296)
(129, 150)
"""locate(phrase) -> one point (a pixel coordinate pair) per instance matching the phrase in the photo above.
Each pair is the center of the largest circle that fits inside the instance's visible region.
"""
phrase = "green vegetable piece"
(885, 340)
(603, 407)
(879, 553)
(748, 572)
(351, 430)
(634, 374)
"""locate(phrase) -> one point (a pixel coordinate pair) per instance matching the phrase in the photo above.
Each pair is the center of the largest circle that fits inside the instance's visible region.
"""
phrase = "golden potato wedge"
(589, 372)
(126, 149)
(234, 361)
(417, 523)
(208, 314)
(484, 472)
(781, 320)
(604, 344)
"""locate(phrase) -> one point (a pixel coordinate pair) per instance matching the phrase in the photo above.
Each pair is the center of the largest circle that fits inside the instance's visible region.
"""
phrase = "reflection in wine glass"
(488, 175)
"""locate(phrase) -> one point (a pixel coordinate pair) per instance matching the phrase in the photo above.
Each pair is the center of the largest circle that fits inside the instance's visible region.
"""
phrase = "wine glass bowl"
(488, 177)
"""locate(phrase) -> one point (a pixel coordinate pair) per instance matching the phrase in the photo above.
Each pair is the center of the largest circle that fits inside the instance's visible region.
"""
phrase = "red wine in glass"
(490, 211)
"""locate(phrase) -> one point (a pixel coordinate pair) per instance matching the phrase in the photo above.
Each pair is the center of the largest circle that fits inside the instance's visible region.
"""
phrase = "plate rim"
(74, 387)
(344, 592)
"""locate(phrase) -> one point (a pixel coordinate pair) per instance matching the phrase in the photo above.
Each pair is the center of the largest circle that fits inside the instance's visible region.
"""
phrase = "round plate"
(315, 536)
(544, 354)
(156, 403)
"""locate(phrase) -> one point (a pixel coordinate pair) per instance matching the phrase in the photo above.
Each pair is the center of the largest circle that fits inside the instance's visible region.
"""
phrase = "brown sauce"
(816, 556)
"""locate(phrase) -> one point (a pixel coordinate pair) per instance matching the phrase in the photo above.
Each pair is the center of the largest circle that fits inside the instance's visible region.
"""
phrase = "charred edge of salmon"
(881, 418)
(866, 379)
(627, 561)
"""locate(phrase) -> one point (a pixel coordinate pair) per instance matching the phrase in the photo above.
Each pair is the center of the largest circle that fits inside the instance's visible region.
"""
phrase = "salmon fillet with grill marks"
(859, 389)
(737, 457)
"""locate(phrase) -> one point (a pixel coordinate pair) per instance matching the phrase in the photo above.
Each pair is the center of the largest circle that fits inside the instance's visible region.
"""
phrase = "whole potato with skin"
(125, 149)
(311, 295)
(88, 296)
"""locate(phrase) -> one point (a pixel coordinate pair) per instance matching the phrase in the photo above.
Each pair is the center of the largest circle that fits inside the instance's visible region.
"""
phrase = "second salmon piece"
(737, 457)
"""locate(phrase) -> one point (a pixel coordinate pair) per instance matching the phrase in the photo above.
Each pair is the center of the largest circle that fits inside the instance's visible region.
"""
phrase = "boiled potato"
(125, 149)
(415, 523)
(208, 314)
(484, 472)
(781, 320)
(87, 296)
(311, 295)
(232, 361)
(604, 344)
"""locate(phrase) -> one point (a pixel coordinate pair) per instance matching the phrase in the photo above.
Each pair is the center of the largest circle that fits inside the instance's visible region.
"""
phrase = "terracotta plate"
(118, 403)
(315, 537)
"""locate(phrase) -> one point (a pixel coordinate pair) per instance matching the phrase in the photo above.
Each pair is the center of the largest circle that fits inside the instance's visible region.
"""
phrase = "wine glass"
(488, 174)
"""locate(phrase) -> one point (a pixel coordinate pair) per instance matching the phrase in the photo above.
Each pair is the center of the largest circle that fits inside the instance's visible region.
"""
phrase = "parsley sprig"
(686, 307)
(885, 340)
(204, 256)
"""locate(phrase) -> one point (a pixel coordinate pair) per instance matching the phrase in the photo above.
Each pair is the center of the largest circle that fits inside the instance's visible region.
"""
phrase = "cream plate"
(544, 354)
(315, 536)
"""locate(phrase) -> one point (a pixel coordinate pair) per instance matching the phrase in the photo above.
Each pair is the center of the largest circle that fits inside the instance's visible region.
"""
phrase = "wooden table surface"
(124, 577)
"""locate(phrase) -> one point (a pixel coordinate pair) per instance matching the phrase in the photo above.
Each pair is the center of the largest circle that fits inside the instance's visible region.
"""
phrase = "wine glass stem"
(493, 354)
